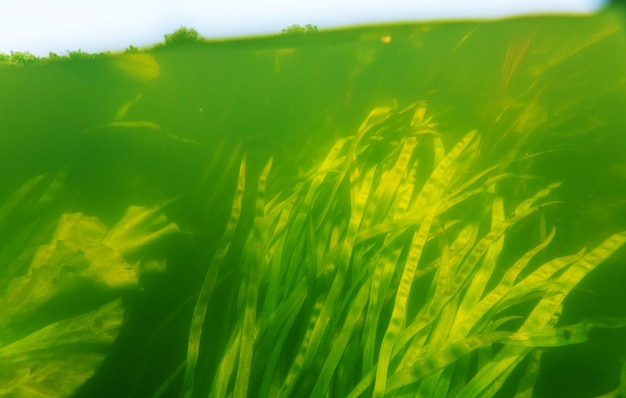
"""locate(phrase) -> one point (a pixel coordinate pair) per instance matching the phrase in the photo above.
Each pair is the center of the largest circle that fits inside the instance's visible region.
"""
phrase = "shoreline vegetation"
(180, 36)
(185, 35)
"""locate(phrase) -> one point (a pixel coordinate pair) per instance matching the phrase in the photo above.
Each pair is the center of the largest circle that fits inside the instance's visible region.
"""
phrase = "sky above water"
(42, 26)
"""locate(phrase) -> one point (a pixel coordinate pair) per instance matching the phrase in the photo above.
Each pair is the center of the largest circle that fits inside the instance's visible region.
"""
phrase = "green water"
(409, 210)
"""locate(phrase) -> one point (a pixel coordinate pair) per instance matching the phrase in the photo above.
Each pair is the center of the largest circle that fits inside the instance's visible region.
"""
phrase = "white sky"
(41, 26)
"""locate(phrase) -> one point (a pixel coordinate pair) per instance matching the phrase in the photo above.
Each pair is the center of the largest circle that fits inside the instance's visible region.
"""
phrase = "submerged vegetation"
(393, 268)
(61, 309)
(381, 211)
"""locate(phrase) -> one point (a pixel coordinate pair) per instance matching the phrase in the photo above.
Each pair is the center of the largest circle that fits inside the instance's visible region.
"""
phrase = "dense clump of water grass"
(385, 271)
(53, 335)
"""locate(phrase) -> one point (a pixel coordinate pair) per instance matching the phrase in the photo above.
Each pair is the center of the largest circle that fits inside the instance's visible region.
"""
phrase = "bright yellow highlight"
(138, 66)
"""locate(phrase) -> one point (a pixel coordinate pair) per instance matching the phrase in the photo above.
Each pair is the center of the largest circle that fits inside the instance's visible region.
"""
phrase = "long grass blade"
(339, 345)
(396, 323)
(199, 314)
(254, 266)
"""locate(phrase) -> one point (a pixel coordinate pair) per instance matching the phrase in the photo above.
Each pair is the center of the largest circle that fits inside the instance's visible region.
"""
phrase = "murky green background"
(527, 85)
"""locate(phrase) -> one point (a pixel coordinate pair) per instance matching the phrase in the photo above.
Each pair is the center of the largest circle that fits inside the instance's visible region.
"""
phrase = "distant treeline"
(182, 35)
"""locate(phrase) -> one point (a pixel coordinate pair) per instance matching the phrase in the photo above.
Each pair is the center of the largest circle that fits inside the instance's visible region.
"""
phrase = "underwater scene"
(408, 210)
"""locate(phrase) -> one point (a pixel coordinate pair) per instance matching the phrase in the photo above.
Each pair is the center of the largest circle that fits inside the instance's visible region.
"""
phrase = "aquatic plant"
(60, 306)
(393, 268)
